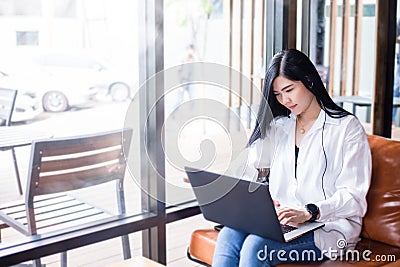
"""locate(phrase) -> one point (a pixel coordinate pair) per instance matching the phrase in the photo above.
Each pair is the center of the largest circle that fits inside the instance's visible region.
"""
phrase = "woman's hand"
(287, 215)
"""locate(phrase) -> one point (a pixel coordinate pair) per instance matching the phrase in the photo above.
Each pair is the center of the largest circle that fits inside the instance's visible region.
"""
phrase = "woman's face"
(293, 95)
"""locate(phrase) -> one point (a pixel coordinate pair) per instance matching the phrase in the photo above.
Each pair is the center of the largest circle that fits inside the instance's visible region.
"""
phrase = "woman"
(320, 168)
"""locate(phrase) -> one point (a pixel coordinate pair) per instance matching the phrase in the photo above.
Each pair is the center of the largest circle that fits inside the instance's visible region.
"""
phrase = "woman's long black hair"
(296, 66)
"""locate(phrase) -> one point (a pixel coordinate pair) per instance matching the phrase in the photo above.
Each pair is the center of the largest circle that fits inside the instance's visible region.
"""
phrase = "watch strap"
(313, 210)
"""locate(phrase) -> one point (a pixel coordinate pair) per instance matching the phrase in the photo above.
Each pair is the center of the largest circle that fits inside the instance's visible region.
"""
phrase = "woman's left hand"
(286, 215)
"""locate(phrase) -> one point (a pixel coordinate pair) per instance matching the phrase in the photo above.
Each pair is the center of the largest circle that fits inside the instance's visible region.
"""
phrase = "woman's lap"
(235, 248)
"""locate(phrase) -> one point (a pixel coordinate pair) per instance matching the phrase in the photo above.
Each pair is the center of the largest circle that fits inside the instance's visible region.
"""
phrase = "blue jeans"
(235, 248)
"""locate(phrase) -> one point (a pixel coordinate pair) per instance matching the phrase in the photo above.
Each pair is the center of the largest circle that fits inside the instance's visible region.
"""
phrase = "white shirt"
(338, 189)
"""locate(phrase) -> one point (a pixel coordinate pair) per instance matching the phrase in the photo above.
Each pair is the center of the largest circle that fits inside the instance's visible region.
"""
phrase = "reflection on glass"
(198, 26)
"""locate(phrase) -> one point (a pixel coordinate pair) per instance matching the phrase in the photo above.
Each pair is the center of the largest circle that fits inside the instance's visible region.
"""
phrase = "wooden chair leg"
(16, 171)
(126, 249)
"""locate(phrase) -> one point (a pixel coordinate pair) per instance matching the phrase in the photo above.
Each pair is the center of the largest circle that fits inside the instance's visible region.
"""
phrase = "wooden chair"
(7, 102)
(60, 165)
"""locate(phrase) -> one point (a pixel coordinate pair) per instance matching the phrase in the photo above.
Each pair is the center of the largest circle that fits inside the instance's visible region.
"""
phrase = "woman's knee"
(230, 239)
(229, 244)
(254, 251)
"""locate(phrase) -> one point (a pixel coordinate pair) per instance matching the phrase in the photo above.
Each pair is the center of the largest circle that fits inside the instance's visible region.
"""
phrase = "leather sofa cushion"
(382, 220)
(202, 244)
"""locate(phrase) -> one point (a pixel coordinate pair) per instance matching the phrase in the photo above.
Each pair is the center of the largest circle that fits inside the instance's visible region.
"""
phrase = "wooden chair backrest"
(64, 164)
(7, 102)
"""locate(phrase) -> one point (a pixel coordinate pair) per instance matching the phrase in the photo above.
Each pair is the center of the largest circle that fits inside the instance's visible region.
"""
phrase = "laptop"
(243, 205)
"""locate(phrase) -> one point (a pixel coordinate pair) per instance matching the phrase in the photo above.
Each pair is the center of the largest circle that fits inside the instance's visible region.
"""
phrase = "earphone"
(322, 143)
(326, 160)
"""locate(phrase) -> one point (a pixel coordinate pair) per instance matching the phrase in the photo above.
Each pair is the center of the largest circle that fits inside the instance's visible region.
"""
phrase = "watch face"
(313, 208)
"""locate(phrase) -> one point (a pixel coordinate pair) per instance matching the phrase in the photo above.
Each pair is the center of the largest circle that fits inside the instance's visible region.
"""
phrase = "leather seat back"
(382, 220)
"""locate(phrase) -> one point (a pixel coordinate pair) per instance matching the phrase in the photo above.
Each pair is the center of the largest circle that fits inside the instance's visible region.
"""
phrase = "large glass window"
(214, 49)
(192, 35)
(75, 67)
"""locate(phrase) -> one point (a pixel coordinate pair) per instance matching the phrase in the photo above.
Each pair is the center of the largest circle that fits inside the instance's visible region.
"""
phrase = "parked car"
(62, 80)
(54, 93)
(87, 72)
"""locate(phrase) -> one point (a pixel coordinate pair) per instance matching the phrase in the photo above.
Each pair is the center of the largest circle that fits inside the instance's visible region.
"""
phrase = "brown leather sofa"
(381, 224)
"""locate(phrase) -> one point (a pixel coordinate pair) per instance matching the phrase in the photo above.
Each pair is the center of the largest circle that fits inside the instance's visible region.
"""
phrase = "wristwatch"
(313, 210)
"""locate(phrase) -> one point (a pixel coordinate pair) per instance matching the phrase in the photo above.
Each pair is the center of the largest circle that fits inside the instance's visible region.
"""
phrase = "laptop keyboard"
(287, 228)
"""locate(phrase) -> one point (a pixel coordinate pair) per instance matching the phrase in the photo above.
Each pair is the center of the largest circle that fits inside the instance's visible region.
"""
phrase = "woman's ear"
(309, 82)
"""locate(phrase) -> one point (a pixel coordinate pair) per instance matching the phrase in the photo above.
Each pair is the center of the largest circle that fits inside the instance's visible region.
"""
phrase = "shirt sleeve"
(257, 155)
(353, 182)
(262, 153)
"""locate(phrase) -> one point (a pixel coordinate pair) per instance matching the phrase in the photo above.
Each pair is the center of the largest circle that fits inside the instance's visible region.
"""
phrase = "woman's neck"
(311, 113)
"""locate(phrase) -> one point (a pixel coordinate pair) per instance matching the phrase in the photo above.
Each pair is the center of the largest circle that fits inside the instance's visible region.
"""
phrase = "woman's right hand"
(287, 215)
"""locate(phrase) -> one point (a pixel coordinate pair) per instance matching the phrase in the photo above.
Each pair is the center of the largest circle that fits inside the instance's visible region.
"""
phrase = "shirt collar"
(323, 117)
